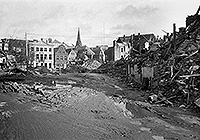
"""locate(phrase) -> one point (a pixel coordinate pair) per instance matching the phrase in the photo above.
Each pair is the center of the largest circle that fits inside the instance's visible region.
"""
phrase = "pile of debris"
(49, 97)
(114, 69)
(176, 65)
(4, 114)
(18, 74)
(13, 74)
(91, 64)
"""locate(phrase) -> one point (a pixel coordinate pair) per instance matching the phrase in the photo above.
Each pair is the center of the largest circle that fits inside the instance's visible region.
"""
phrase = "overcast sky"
(100, 21)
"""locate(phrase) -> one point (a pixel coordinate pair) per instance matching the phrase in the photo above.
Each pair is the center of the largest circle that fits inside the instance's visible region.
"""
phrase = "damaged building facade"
(123, 45)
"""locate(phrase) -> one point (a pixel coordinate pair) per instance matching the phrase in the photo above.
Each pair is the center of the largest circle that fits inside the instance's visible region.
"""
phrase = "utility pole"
(104, 41)
(26, 44)
(103, 34)
(26, 49)
(174, 37)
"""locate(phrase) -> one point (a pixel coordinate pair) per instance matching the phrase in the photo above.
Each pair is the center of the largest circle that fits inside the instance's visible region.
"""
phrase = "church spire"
(78, 41)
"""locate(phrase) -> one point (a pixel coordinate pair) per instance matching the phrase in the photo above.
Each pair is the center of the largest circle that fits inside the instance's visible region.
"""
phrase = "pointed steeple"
(78, 41)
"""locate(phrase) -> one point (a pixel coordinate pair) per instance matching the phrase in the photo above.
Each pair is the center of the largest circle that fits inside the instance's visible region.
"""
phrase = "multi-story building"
(138, 42)
(42, 52)
(121, 47)
(61, 56)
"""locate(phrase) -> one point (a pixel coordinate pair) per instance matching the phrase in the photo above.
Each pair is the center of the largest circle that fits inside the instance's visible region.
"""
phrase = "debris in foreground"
(176, 67)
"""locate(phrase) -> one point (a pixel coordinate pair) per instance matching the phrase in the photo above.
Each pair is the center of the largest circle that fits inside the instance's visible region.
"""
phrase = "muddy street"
(87, 107)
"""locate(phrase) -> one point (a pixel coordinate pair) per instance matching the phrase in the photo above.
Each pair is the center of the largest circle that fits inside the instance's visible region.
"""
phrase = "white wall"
(120, 49)
(48, 61)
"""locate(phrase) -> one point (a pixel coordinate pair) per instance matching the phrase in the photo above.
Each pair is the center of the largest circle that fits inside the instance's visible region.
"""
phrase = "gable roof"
(56, 41)
(128, 39)
(124, 39)
(66, 50)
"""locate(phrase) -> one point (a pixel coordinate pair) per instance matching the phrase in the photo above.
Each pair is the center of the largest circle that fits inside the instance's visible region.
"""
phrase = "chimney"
(138, 36)
(50, 40)
(174, 31)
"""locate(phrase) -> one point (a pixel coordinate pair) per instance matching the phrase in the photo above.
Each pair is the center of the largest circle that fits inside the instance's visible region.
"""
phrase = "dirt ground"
(92, 107)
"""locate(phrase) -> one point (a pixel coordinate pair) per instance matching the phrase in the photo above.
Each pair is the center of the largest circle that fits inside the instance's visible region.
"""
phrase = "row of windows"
(43, 57)
(44, 64)
(41, 49)
(61, 58)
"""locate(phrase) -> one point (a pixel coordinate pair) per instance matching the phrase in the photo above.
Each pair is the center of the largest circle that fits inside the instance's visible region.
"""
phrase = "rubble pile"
(4, 114)
(64, 95)
(47, 96)
(176, 65)
(14, 74)
(91, 64)
(115, 69)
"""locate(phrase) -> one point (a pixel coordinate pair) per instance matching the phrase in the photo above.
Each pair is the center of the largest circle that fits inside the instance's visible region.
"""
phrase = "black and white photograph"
(100, 70)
